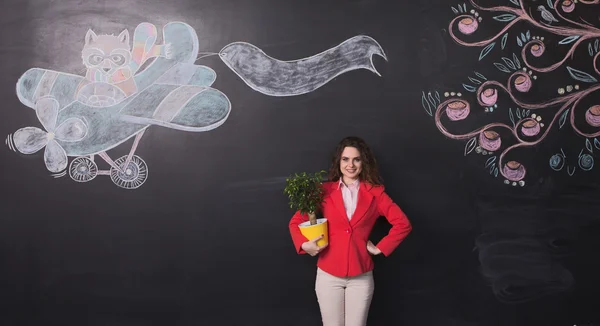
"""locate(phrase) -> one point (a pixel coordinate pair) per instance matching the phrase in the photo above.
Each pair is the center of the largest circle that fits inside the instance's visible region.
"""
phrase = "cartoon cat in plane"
(112, 62)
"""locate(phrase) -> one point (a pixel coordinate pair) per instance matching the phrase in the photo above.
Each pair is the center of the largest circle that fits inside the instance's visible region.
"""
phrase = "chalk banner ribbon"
(274, 77)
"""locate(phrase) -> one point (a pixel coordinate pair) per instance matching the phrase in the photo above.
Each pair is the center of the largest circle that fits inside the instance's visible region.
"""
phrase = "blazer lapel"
(364, 202)
(338, 201)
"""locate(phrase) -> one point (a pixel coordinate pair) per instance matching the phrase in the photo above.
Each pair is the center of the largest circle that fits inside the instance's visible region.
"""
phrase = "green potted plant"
(305, 193)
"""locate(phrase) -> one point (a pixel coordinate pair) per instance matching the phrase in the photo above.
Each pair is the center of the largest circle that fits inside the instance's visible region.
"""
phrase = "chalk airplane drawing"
(85, 116)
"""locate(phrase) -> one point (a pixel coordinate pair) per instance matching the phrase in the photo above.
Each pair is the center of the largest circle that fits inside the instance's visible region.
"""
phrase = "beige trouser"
(344, 301)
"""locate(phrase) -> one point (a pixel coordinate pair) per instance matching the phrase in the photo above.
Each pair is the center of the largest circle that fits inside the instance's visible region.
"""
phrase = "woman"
(354, 199)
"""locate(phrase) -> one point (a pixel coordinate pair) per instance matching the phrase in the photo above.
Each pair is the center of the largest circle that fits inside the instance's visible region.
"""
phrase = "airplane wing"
(182, 107)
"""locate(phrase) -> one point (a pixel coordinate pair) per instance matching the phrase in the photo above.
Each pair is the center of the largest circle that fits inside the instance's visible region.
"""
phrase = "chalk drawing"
(115, 101)
(288, 78)
(520, 123)
(85, 116)
(570, 163)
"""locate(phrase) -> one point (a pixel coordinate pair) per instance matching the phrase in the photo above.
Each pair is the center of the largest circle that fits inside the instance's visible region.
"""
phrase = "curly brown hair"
(370, 170)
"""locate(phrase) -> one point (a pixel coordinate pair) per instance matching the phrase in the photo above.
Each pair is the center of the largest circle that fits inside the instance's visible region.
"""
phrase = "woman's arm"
(401, 226)
(297, 237)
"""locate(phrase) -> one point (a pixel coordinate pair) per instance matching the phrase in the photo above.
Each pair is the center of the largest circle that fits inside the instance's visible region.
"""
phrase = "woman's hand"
(311, 246)
(372, 249)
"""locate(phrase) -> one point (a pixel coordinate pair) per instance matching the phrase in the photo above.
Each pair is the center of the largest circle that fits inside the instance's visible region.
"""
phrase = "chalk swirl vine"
(526, 127)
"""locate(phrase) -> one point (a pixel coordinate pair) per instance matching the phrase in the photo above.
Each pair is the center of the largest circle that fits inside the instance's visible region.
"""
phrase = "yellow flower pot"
(314, 231)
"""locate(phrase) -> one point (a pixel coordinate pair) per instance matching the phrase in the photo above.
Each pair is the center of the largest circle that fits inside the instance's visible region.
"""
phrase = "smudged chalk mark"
(255, 185)
(522, 269)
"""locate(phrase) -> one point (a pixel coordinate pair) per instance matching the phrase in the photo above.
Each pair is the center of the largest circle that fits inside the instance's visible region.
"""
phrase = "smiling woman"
(353, 200)
(353, 153)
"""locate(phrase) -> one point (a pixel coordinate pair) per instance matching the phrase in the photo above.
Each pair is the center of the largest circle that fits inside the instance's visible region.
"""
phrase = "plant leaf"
(527, 112)
(518, 113)
(562, 119)
(496, 172)
(480, 75)
(588, 145)
(431, 99)
(475, 81)
(504, 38)
(528, 35)
(454, 10)
(509, 63)
(490, 161)
(501, 67)
(470, 146)
(590, 50)
(523, 37)
(305, 191)
(596, 143)
(569, 39)
(596, 45)
(550, 4)
(437, 96)
(486, 50)
(469, 88)
(465, 6)
(519, 41)
(516, 2)
(505, 17)
(510, 115)
(517, 62)
(581, 76)
(426, 105)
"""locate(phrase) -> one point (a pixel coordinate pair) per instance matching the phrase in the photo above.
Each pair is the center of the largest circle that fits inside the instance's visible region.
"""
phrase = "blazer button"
(347, 231)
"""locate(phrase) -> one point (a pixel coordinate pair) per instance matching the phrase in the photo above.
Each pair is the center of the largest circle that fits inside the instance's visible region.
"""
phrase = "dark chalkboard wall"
(204, 241)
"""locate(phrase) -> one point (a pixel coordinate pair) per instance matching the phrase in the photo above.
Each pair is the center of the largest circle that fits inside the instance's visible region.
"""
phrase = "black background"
(205, 241)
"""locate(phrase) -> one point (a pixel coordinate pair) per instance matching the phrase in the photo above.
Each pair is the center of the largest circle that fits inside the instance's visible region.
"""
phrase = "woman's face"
(350, 164)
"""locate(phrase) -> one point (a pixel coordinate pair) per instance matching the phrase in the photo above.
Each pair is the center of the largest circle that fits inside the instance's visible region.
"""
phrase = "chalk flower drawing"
(85, 116)
(526, 128)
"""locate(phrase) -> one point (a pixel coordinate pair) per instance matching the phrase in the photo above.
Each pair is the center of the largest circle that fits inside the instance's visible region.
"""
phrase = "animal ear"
(124, 37)
(90, 37)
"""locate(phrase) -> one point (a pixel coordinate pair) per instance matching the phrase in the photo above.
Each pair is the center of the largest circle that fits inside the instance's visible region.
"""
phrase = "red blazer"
(347, 255)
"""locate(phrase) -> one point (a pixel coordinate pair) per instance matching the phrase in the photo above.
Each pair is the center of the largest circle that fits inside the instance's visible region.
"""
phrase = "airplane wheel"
(82, 169)
(132, 176)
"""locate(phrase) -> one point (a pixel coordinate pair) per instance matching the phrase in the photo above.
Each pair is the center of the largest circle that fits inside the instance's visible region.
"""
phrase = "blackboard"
(198, 235)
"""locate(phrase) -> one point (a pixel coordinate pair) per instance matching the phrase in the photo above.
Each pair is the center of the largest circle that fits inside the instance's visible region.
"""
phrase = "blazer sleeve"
(297, 237)
(401, 226)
